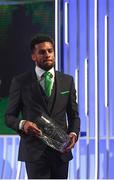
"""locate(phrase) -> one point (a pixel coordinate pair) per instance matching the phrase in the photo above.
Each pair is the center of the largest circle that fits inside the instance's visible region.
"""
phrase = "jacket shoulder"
(24, 78)
(63, 75)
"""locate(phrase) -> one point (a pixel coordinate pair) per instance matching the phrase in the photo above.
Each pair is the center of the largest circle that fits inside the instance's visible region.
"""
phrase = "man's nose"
(46, 53)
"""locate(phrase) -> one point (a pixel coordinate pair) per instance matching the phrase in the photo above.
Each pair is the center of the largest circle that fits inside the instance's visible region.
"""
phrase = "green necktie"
(48, 83)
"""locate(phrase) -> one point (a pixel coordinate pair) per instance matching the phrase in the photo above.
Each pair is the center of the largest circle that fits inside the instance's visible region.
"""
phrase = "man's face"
(43, 55)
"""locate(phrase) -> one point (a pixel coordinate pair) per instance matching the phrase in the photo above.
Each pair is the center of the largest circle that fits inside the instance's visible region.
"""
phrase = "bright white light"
(13, 153)
(18, 170)
(5, 148)
(66, 23)
(96, 92)
(56, 34)
(106, 62)
(86, 86)
(106, 95)
(76, 83)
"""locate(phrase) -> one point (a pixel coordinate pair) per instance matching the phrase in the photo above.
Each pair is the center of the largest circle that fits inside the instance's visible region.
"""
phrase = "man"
(28, 96)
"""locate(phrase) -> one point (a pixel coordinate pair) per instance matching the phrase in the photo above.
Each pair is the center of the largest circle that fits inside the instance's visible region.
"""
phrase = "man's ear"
(33, 57)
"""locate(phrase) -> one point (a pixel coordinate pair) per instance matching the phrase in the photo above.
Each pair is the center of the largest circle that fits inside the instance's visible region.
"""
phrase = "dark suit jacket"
(26, 97)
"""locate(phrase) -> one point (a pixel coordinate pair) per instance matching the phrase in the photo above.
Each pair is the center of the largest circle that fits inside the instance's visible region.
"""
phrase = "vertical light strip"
(77, 33)
(78, 161)
(86, 87)
(106, 61)
(56, 34)
(13, 156)
(66, 38)
(78, 143)
(76, 84)
(87, 119)
(106, 96)
(18, 170)
(19, 166)
(87, 94)
(96, 90)
(4, 155)
(66, 23)
(26, 177)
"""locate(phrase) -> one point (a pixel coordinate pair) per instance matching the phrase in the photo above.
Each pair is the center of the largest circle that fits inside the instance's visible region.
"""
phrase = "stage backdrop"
(19, 21)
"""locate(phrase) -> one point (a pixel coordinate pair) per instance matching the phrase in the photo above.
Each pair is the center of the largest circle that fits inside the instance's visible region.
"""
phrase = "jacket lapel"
(36, 92)
(58, 86)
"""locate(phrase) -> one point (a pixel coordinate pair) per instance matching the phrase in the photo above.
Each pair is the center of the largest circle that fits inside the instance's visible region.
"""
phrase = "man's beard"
(46, 67)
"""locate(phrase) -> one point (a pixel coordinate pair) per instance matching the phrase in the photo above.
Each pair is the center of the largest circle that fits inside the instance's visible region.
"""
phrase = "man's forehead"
(44, 45)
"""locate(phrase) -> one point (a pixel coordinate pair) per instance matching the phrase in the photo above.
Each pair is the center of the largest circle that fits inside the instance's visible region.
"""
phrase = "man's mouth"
(48, 60)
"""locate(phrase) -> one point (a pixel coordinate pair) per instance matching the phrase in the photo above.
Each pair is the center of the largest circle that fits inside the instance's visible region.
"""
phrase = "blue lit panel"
(101, 41)
(111, 160)
(85, 15)
(111, 65)
(1, 156)
(91, 69)
(10, 168)
(73, 38)
(82, 56)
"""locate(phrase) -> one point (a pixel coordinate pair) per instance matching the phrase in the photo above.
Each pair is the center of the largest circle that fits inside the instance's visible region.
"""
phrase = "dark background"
(18, 24)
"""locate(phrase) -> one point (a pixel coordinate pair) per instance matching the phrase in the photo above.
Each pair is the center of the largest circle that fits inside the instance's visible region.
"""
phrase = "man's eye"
(50, 50)
(42, 52)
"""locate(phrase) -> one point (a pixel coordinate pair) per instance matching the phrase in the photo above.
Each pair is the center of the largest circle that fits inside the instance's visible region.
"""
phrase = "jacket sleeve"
(72, 111)
(14, 106)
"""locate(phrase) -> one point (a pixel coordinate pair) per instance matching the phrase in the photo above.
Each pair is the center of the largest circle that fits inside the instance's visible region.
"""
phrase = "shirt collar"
(40, 72)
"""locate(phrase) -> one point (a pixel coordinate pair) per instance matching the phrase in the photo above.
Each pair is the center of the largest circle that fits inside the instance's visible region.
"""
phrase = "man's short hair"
(40, 38)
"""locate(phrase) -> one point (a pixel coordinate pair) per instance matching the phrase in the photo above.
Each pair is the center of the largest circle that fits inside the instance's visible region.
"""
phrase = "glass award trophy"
(52, 134)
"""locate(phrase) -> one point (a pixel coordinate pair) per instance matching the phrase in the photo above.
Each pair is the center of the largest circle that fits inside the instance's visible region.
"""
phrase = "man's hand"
(29, 126)
(73, 139)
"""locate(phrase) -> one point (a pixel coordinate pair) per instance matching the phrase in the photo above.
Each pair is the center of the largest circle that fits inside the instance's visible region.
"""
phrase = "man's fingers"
(30, 126)
(37, 131)
(72, 143)
(70, 146)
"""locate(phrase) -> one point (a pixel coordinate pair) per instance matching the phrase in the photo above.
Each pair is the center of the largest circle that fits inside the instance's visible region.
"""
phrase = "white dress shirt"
(40, 72)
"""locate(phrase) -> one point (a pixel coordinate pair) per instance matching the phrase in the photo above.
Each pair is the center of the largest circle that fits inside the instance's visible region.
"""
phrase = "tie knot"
(47, 73)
